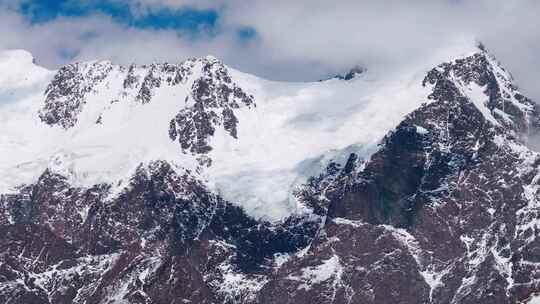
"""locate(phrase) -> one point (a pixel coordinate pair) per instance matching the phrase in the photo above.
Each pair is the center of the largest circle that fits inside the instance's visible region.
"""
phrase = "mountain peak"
(19, 71)
(210, 58)
(483, 81)
(73, 84)
(18, 55)
(352, 73)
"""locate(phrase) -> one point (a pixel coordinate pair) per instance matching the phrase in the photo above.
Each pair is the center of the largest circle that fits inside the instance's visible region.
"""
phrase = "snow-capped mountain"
(251, 139)
(196, 183)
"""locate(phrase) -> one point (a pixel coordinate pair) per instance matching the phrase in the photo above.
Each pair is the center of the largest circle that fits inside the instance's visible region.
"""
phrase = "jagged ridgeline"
(211, 100)
(196, 183)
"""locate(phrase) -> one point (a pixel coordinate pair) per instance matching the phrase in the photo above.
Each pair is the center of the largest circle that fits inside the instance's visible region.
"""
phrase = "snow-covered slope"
(98, 121)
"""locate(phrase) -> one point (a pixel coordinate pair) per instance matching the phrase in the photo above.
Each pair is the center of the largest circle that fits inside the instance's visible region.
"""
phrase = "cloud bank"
(289, 40)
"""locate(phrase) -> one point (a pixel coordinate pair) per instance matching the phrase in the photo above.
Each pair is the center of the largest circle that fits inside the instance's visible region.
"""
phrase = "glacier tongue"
(294, 126)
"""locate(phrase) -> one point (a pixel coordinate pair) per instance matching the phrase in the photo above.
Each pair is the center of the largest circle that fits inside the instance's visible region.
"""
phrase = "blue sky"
(185, 19)
(191, 21)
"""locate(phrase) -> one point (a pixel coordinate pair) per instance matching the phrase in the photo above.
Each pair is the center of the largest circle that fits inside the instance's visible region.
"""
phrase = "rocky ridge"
(211, 101)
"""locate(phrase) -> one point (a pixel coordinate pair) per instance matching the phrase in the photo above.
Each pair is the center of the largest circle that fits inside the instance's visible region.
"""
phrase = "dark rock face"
(439, 215)
(357, 70)
(165, 225)
(351, 74)
(65, 96)
(445, 212)
(214, 98)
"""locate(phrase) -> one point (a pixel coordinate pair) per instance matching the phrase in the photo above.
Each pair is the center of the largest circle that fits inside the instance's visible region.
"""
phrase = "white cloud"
(145, 6)
(383, 33)
(99, 37)
(299, 39)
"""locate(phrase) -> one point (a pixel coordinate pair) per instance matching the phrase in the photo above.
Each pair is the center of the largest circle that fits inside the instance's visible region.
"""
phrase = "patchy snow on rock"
(344, 221)
(329, 269)
(236, 285)
(479, 99)
(95, 265)
(432, 276)
(421, 130)
(281, 258)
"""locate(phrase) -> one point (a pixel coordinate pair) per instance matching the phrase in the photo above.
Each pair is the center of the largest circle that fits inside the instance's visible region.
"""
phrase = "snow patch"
(534, 299)
(236, 284)
(344, 221)
(329, 269)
